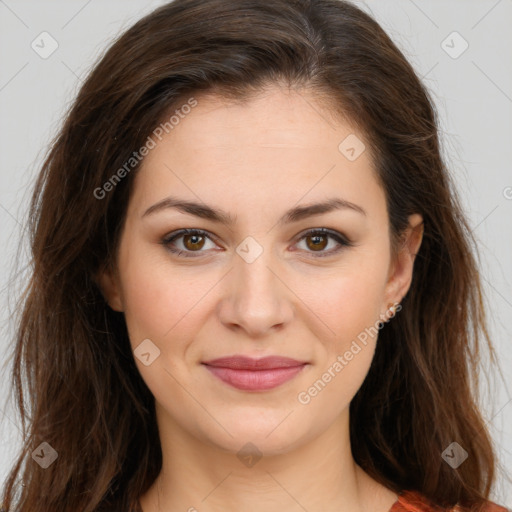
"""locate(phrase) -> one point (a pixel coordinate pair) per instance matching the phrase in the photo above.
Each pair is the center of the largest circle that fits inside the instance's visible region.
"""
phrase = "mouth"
(251, 374)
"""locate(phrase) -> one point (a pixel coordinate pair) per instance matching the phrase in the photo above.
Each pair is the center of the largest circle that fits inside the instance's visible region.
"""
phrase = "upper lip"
(249, 363)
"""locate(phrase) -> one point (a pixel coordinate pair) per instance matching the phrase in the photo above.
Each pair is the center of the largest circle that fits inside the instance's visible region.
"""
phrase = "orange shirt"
(408, 501)
(411, 501)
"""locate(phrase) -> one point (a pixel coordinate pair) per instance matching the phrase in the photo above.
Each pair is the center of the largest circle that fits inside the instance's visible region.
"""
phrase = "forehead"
(280, 145)
(273, 117)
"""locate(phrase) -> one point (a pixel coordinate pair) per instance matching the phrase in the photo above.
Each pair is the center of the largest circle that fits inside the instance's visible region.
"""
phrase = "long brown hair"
(73, 366)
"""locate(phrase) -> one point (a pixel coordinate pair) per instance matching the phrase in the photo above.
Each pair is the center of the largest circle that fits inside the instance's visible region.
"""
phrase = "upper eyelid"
(187, 231)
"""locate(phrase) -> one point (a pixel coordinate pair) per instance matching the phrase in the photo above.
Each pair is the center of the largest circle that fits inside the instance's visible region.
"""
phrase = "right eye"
(191, 240)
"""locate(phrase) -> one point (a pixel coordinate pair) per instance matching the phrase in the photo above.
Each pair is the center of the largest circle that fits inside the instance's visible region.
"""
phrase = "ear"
(108, 283)
(401, 269)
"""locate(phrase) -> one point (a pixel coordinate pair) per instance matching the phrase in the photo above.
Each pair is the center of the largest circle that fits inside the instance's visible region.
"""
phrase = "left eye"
(317, 240)
(194, 240)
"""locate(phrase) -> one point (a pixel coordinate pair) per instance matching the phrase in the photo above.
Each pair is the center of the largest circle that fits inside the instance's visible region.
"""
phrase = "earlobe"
(108, 283)
(401, 273)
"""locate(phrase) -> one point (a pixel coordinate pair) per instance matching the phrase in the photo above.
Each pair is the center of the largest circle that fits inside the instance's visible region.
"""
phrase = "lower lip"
(255, 380)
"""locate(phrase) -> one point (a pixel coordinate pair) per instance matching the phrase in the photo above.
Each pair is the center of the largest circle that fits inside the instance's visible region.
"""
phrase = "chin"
(277, 434)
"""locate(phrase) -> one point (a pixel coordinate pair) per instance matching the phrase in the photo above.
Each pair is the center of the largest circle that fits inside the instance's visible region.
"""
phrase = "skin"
(255, 161)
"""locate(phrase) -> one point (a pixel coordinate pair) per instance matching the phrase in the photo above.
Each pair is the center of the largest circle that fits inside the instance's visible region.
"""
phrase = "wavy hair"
(76, 384)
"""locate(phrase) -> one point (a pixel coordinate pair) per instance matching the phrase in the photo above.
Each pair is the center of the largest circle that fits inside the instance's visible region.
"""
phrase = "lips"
(251, 374)
(248, 363)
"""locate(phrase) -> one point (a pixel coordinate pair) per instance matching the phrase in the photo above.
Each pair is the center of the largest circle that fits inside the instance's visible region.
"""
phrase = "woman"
(252, 284)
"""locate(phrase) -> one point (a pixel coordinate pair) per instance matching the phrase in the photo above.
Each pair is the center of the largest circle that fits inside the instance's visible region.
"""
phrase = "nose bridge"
(256, 287)
(256, 299)
(255, 279)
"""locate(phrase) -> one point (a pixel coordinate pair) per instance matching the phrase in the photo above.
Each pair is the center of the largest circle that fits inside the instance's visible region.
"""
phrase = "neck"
(319, 475)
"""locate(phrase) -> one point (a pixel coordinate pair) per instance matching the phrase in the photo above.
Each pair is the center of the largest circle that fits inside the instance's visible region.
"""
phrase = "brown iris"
(193, 242)
(317, 243)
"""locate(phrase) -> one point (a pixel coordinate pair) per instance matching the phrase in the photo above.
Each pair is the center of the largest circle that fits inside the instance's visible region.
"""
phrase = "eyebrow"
(217, 215)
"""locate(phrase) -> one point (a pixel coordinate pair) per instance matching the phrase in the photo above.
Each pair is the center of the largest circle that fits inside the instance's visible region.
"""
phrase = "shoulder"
(412, 501)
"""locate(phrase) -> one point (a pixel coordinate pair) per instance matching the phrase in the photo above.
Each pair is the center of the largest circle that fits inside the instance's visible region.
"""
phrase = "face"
(261, 273)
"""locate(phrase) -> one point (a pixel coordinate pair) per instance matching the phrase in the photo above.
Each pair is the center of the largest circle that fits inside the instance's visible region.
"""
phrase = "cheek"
(349, 302)
(350, 305)
(152, 305)
(154, 299)
(346, 300)
(163, 303)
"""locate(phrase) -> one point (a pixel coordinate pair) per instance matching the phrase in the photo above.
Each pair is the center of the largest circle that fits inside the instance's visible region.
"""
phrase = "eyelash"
(342, 241)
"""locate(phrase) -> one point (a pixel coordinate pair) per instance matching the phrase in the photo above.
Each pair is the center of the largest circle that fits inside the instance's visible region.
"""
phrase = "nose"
(256, 299)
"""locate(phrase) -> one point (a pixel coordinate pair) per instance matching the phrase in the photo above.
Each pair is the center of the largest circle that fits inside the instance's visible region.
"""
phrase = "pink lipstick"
(251, 374)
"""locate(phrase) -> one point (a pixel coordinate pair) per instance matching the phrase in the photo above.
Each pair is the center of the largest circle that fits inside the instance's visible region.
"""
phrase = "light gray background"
(473, 94)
